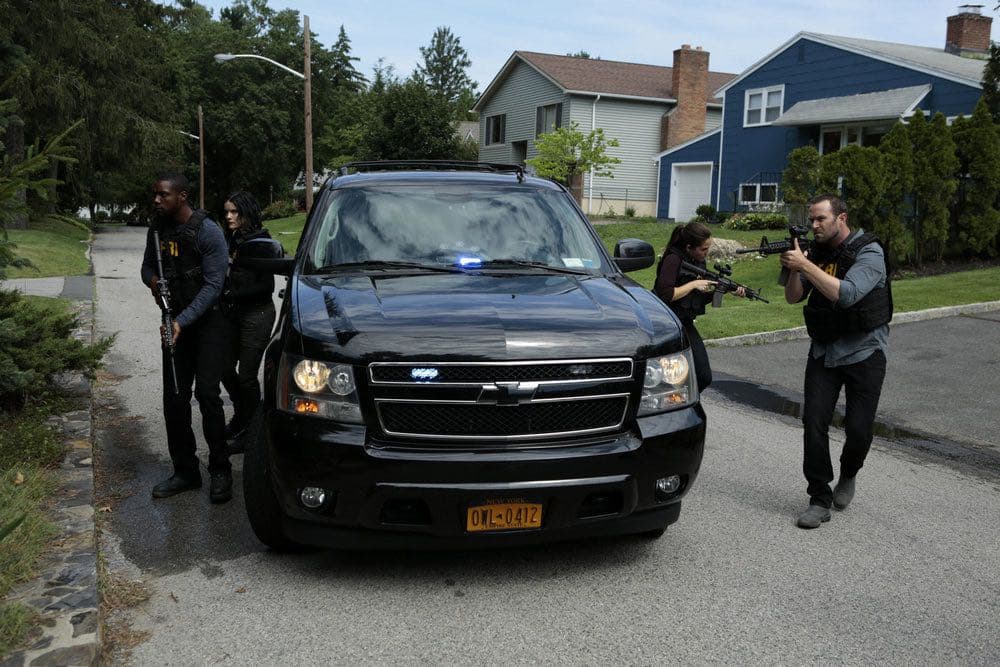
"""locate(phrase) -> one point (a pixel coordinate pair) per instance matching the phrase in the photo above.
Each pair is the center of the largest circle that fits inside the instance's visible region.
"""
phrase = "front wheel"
(263, 509)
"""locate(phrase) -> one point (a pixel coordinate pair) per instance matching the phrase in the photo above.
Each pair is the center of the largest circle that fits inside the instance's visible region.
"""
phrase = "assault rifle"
(796, 232)
(722, 282)
(167, 321)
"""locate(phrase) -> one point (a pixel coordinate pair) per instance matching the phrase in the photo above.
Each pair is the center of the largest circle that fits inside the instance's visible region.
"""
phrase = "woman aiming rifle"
(685, 293)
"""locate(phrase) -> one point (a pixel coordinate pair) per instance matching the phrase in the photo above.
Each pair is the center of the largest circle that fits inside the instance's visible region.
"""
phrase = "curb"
(799, 333)
(64, 593)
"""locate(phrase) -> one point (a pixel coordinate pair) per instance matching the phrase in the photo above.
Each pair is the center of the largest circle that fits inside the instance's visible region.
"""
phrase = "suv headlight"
(318, 388)
(669, 383)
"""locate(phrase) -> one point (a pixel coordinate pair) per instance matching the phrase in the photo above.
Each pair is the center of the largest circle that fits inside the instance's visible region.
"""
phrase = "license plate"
(503, 516)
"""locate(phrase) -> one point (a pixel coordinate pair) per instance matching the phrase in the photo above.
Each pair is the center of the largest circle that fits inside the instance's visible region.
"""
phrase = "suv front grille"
(500, 401)
(479, 373)
(471, 420)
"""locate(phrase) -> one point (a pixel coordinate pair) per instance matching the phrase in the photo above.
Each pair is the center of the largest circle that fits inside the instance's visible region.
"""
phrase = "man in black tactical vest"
(846, 279)
(195, 260)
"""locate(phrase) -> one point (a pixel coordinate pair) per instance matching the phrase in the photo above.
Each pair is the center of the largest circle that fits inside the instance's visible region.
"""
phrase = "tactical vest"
(825, 320)
(181, 259)
(693, 303)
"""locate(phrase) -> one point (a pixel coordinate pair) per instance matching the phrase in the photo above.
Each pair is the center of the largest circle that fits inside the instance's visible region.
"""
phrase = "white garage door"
(690, 187)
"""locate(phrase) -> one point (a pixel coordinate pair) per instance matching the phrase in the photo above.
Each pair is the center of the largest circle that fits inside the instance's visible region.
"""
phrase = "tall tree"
(94, 61)
(859, 172)
(409, 122)
(934, 183)
(445, 66)
(343, 75)
(991, 82)
(977, 142)
(897, 152)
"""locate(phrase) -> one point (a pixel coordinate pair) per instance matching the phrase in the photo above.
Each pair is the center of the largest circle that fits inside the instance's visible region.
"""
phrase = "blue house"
(820, 90)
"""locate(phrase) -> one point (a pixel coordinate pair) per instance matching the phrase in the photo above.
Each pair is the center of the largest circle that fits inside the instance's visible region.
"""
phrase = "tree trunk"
(14, 142)
(576, 187)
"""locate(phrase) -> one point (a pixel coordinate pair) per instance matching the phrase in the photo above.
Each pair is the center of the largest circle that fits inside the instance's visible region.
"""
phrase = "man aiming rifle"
(796, 235)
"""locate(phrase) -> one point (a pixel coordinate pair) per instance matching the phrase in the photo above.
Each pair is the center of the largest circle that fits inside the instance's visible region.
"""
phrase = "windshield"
(462, 225)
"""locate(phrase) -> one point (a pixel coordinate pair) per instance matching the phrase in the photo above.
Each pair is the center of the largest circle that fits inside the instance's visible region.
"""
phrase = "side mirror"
(633, 254)
(265, 256)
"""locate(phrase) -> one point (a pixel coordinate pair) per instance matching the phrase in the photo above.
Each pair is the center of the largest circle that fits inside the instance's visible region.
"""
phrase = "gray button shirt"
(867, 273)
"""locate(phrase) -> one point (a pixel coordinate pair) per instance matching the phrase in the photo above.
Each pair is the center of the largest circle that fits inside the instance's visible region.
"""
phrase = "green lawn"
(55, 248)
(287, 230)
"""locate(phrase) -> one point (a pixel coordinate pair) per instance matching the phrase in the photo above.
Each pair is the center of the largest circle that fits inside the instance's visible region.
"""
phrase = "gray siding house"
(647, 108)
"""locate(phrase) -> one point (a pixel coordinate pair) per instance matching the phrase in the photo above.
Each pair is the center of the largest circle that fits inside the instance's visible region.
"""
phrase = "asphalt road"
(910, 573)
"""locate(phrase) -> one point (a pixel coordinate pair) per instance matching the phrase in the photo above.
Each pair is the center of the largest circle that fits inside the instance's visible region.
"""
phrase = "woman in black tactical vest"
(684, 292)
(246, 302)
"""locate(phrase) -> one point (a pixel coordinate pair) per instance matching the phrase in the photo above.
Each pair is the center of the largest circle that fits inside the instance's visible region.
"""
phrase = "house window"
(833, 139)
(763, 106)
(496, 129)
(758, 193)
(548, 118)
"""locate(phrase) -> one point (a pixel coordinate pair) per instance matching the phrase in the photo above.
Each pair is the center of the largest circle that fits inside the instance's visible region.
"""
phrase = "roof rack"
(441, 165)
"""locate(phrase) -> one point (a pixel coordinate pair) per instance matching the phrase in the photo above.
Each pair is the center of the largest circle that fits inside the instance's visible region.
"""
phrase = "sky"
(735, 33)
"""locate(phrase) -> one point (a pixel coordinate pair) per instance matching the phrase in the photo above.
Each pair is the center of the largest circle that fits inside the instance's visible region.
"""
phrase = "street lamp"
(307, 78)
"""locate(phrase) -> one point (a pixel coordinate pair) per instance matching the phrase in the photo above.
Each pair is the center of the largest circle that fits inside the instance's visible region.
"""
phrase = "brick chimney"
(690, 89)
(968, 32)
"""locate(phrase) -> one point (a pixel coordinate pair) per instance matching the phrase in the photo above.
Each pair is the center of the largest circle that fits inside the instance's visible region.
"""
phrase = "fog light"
(668, 485)
(312, 496)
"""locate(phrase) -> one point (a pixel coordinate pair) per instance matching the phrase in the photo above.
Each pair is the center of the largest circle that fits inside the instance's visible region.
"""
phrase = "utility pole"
(308, 115)
(201, 159)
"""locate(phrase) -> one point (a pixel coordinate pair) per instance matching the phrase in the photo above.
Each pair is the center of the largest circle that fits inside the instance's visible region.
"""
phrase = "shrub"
(745, 222)
(722, 216)
(630, 211)
(281, 208)
(35, 343)
(706, 213)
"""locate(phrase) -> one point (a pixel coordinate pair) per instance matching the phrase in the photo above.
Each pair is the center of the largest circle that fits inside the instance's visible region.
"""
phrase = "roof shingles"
(611, 77)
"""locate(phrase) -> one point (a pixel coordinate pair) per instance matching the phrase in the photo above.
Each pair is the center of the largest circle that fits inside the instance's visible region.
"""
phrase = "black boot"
(221, 489)
(176, 484)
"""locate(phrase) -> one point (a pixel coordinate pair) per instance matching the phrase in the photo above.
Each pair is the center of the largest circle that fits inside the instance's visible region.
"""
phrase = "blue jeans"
(862, 384)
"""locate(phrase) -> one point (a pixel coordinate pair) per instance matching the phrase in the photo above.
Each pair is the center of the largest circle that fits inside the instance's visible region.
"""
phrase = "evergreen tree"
(977, 220)
(934, 183)
(860, 173)
(991, 82)
(344, 76)
(445, 65)
(800, 180)
(897, 152)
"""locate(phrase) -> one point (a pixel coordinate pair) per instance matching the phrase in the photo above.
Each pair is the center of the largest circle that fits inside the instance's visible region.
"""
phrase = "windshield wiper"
(528, 264)
(386, 265)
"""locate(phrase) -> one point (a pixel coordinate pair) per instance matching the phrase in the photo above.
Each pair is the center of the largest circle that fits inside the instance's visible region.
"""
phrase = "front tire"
(263, 509)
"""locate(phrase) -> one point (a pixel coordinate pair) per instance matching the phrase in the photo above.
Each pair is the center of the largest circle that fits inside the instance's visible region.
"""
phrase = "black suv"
(459, 362)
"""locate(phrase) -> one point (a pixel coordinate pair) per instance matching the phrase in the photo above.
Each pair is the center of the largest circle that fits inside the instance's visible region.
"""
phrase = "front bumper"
(381, 495)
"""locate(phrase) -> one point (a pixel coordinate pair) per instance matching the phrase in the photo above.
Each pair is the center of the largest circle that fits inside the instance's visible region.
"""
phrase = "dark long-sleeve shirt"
(211, 245)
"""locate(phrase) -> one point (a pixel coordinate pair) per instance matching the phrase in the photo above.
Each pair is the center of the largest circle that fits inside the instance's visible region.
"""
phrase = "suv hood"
(468, 316)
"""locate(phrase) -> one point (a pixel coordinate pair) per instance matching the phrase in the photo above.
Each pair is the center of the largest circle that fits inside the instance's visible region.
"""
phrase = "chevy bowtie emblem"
(424, 374)
(507, 393)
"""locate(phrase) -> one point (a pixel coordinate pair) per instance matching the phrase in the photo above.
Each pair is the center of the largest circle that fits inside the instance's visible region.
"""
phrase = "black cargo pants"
(250, 331)
(201, 356)
(862, 384)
